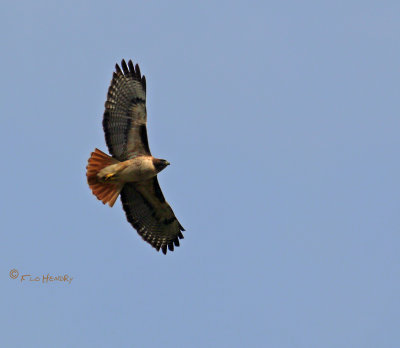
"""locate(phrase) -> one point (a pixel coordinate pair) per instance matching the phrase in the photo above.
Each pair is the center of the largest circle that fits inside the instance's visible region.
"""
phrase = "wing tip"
(130, 69)
(124, 67)
(176, 241)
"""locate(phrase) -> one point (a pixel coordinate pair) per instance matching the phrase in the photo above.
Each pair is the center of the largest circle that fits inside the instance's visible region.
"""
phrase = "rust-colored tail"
(104, 191)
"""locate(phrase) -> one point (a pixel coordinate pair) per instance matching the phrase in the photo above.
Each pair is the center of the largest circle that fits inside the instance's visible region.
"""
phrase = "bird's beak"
(167, 163)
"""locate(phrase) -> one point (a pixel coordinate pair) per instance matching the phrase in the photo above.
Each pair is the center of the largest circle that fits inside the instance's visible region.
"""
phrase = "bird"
(131, 171)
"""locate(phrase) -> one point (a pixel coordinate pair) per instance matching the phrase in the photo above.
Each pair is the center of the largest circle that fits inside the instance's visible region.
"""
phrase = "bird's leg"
(108, 177)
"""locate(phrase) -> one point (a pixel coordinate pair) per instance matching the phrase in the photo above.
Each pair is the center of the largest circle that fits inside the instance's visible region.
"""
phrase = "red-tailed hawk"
(132, 170)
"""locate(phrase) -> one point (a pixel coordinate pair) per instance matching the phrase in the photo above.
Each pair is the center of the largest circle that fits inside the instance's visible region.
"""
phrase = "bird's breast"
(137, 169)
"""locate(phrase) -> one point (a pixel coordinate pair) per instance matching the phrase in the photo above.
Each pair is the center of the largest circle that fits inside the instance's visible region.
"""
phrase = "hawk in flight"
(132, 171)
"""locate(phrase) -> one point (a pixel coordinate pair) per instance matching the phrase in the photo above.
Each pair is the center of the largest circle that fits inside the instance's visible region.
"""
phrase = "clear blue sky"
(281, 122)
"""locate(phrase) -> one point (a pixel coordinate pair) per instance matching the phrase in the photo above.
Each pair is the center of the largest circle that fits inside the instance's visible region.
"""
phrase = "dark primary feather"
(149, 213)
(125, 117)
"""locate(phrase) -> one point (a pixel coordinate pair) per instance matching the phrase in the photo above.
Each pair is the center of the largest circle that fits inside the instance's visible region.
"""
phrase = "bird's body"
(132, 171)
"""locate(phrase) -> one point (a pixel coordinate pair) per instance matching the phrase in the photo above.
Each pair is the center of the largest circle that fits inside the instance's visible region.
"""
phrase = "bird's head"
(160, 164)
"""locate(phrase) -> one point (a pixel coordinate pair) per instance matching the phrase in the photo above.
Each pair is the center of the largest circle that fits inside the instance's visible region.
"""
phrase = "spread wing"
(149, 213)
(125, 117)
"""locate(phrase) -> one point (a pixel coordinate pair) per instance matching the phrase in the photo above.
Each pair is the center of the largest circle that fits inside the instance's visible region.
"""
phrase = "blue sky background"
(281, 121)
